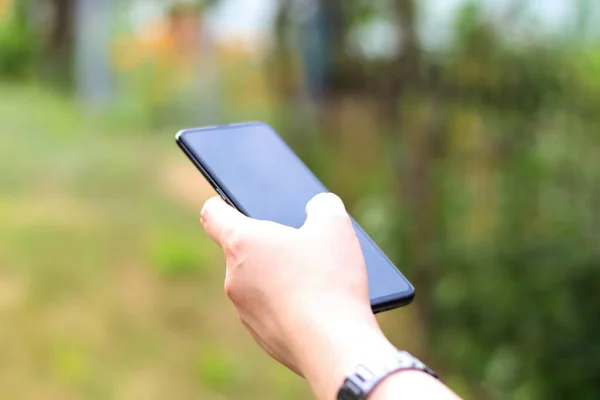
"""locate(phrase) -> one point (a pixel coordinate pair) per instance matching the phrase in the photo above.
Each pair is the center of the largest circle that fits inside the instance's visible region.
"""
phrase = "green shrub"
(17, 48)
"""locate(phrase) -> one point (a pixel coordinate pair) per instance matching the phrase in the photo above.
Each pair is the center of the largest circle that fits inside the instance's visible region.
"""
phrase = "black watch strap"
(361, 383)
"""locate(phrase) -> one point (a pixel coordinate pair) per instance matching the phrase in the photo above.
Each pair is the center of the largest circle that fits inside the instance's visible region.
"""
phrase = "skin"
(280, 282)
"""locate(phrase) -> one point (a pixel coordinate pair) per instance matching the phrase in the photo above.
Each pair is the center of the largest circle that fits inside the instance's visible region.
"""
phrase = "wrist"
(363, 347)
(327, 352)
(403, 381)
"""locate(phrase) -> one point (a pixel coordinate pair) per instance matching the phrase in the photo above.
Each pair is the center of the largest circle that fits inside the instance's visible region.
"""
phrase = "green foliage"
(104, 284)
(497, 221)
(513, 308)
(217, 370)
(70, 363)
(17, 48)
(176, 253)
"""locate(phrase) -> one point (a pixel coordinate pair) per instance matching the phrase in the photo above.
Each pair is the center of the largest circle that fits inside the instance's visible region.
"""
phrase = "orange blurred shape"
(236, 49)
(5, 6)
(173, 41)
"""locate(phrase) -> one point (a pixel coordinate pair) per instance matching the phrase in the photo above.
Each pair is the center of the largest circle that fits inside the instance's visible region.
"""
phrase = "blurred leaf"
(502, 370)
(70, 363)
(218, 371)
(174, 253)
(16, 48)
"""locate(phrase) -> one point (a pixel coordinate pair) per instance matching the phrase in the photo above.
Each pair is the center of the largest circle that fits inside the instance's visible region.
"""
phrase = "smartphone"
(254, 170)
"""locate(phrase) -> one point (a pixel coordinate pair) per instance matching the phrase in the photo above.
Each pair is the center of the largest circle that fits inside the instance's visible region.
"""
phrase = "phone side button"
(220, 193)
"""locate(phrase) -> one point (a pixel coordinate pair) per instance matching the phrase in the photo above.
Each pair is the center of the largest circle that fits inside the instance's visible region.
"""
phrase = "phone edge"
(210, 178)
(379, 304)
(387, 303)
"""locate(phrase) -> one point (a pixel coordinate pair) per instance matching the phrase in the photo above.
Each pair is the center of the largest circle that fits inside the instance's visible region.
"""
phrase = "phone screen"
(255, 169)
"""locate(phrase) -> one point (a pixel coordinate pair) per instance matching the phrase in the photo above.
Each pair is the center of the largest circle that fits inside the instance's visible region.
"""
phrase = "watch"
(361, 383)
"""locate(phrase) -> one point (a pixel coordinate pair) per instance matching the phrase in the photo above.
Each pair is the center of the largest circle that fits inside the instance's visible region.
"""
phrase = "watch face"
(350, 391)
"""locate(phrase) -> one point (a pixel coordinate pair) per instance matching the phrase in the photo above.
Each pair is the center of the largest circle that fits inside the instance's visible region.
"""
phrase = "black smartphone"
(254, 170)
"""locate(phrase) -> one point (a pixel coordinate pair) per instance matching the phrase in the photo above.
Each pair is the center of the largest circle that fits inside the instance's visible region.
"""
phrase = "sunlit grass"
(108, 286)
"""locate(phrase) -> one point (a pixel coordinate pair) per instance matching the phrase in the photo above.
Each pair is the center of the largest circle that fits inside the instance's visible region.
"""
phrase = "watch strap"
(363, 381)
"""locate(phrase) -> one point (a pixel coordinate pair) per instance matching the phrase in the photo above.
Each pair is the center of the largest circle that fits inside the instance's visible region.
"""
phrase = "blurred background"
(463, 135)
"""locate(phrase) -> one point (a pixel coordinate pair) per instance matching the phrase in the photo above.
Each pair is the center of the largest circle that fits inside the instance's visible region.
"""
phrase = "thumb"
(326, 210)
(220, 220)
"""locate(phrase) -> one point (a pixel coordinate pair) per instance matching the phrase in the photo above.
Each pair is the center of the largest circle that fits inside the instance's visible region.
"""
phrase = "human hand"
(302, 293)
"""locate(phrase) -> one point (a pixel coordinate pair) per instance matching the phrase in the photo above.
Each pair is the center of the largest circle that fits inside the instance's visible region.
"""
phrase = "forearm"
(412, 385)
(326, 359)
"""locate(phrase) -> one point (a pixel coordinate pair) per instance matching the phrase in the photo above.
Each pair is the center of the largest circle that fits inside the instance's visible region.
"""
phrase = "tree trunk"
(418, 135)
(404, 71)
(60, 44)
(420, 196)
(281, 67)
(91, 56)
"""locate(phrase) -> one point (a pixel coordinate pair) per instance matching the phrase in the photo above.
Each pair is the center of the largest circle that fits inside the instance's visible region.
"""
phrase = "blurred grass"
(108, 286)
